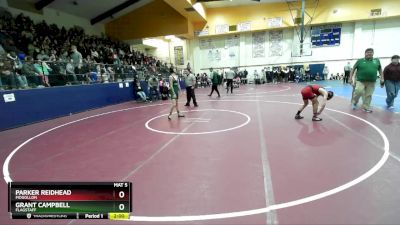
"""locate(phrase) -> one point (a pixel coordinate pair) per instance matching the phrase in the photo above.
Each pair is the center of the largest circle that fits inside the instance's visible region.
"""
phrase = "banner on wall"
(259, 45)
(210, 55)
(275, 43)
(245, 26)
(232, 41)
(178, 50)
(202, 43)
(275, 22)
(206, 43)
(232, 46)
(221, 28)
(232, 53)
(326, 35)
(201, 32)
(217, 55)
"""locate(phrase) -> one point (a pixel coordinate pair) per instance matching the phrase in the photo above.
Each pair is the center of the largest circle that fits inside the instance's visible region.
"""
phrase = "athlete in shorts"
(311, 92)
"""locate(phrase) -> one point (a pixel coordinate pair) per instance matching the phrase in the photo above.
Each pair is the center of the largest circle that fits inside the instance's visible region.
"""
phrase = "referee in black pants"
(230, 74)
(190, 81)
(347, 70)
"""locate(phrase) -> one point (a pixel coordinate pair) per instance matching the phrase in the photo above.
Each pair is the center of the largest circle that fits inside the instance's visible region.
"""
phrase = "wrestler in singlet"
(310, 91)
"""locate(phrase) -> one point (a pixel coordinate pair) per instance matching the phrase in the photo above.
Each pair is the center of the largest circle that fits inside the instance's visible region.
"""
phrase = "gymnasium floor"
(241, 159)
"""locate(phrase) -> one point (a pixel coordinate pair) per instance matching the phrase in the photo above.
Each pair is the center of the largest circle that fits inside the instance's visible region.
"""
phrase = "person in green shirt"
(215, 80)
(363, 77)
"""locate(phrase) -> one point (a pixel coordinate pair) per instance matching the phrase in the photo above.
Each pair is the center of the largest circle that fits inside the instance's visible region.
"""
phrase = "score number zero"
(121, 206)
(121, 194)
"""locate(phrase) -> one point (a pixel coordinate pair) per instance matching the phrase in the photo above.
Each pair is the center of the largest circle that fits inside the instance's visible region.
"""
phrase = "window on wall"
(324, 36)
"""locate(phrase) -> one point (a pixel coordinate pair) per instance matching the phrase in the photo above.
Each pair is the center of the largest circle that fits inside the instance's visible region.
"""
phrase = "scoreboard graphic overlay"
(72, 200)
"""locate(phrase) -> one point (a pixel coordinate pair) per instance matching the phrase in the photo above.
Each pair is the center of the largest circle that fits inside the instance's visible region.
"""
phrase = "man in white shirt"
(325, 73)
(256, 77)
(190, 81)
(230, 74)
(347, 70)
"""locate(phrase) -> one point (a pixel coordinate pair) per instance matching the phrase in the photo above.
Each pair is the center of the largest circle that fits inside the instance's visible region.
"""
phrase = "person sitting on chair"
(140, 92)
(317, 77)
(164, 91)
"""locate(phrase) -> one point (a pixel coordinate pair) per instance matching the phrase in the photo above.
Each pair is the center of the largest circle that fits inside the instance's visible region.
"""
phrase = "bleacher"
(39, 77)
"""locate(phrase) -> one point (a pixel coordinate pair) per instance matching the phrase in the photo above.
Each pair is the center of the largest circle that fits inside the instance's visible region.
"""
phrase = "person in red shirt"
(311, 92)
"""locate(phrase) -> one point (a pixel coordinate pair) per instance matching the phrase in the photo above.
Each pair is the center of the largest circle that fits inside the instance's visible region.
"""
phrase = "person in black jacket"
(391, 75)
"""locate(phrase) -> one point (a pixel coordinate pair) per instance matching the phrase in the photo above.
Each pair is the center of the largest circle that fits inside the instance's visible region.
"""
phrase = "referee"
(230, 74)
(347, 71)
(190, 82)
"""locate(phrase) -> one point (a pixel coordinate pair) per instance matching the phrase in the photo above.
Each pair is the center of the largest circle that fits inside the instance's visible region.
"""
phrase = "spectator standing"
(245, 73)
(275, 75)
(70, 72)
(153, 87)
(307, 72)
(363, 76)
(285, 74)
(256, 78)
(291, 74)
(298, 76)
(111, 73)
(268, 74)
(391, 75)
(76, 59)
(105, 76)
(325, 73)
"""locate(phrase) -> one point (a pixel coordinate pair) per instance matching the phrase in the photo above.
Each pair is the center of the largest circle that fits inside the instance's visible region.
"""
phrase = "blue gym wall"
(36, 105)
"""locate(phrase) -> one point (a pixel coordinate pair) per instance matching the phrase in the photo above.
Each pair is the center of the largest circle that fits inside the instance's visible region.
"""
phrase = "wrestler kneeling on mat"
(311, 92)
